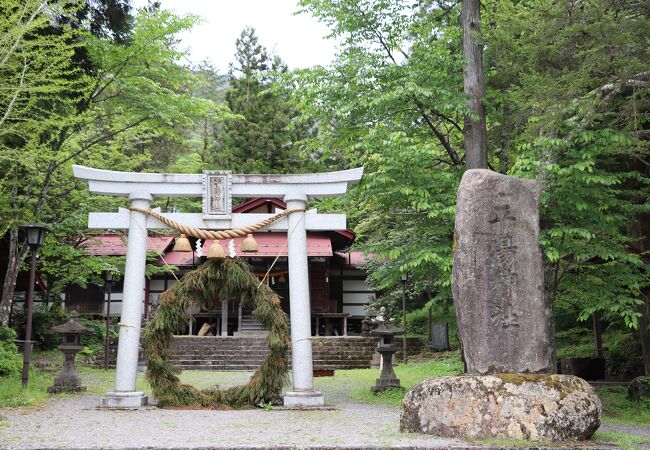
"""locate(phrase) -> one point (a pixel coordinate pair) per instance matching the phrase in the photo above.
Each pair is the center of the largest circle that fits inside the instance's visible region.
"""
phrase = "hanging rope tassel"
(216, 235)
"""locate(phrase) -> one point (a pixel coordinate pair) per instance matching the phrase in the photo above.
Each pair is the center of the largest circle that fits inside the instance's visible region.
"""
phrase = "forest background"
(567, 101)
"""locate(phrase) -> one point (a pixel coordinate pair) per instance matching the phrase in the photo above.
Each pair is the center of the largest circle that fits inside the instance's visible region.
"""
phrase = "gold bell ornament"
(182, 244)
(216, 251)
(249, 245)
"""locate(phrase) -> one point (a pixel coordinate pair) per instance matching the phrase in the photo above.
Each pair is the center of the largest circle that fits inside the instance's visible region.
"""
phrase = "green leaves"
(266, 136)
(585, 215)
(116, 113)
(561, 108)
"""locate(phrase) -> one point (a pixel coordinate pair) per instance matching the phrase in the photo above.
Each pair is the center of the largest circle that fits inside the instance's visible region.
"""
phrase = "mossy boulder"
(507, 406)
(639, 389)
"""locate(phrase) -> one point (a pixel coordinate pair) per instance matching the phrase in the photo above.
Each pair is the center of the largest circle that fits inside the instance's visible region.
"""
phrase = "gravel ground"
(76, 422)
(622, 428)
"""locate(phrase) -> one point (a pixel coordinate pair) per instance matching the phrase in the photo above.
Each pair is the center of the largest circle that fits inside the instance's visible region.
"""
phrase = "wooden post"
(240, 313)
(429, 321)
(107, 342)
(598, 337)
(224, 317)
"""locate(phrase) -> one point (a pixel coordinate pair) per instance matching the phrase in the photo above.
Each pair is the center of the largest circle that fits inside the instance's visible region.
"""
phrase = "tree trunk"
(639, 230)
(549, 313)
(598, 335)
(644, 332)
(475, 132)
(14, 258)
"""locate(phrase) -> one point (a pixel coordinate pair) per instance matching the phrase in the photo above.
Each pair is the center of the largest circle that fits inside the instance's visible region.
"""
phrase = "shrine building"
(337, 278)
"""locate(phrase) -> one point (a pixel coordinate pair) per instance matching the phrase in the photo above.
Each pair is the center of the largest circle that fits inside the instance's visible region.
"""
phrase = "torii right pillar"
(303, 393)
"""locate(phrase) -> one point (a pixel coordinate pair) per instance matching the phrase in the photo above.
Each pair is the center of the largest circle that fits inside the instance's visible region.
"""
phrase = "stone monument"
(498, 276)
(509, 390)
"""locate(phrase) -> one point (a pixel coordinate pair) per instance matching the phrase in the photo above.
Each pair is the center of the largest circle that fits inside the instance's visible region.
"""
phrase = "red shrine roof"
(269, 245)
(275, 244)
(270, 204)
(353, 259)
(179, 259)
(115, 244)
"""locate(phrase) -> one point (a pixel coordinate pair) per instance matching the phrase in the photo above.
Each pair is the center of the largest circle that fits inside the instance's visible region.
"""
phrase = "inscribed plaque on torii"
(217, 193)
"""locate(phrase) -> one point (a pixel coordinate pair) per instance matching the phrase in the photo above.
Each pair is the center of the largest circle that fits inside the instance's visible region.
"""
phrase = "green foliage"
(133, 94)
(546, 58)
(266, 406)
(228, 278)
(441, 312)
(35, 69)
(265, 137)
(392, 102)
(93, 342)
(11, 362)
(42, 320)
(587, 244)
(569, 93)
(621, 351)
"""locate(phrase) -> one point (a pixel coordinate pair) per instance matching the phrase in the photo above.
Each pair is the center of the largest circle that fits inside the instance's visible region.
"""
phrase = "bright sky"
(298, 39)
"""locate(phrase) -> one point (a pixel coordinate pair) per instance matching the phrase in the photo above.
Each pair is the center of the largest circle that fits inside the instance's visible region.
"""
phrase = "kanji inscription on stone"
(498, 276)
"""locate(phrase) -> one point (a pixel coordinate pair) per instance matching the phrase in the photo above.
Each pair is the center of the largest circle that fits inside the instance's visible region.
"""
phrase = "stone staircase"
(337, 353)
(248, 352)
(251, 327)
(219, 353)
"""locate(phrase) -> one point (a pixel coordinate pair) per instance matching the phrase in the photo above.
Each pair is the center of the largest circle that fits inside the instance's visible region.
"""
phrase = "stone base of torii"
(217, 188)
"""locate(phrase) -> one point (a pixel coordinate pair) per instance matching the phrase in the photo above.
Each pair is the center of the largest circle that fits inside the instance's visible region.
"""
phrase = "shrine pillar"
(303, 393)
(126, 370)
(224, 317)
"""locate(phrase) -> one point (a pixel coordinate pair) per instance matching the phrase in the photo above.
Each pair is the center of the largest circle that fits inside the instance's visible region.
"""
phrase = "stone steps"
(248, 323)
(247, 353)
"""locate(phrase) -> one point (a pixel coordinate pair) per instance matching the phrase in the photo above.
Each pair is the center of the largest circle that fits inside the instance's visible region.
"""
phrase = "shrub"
(93, 342)
(639, 389)
(11, 362)
(42, 320)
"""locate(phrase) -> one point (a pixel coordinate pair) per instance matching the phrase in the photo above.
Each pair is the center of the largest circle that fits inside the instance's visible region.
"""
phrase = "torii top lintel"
(111, 182)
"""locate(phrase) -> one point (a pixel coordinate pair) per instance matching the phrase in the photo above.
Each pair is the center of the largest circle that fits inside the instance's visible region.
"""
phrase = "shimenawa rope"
(222, 234)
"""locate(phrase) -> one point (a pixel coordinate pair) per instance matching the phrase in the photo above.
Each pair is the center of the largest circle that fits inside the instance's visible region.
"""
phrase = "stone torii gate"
(217, 188)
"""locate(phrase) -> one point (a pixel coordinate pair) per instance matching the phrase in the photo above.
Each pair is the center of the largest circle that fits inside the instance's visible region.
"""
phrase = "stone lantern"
(68, 381)
(386, 348)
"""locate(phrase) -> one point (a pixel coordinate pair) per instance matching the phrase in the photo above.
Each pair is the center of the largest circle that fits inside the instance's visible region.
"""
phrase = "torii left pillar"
(125, 395)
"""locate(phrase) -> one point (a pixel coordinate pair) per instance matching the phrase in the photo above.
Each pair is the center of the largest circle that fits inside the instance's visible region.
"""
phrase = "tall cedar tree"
(264, 139)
